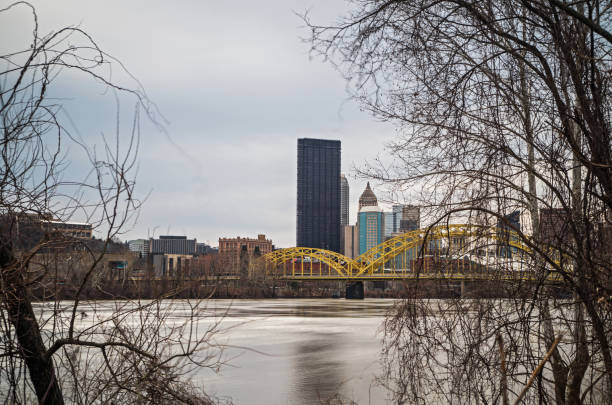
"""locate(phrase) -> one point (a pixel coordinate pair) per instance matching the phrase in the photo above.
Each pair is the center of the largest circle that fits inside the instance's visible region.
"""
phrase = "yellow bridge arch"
(388, 260)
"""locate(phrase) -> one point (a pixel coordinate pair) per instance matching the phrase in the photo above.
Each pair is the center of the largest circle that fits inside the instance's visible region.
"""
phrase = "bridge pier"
(354, 290)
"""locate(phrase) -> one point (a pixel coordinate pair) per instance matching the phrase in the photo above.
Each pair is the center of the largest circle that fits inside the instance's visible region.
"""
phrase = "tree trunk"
(19, 307)
(559, 369)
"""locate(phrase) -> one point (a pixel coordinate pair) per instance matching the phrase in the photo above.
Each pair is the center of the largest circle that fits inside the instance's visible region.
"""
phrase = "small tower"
(368, 198)
(370, 221)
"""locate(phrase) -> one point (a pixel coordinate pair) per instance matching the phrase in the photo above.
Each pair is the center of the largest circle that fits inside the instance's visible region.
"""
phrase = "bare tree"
(504, 106)
(78, 351)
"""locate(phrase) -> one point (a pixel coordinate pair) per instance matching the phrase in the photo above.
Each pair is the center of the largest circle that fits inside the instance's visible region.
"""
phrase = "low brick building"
(230, 248)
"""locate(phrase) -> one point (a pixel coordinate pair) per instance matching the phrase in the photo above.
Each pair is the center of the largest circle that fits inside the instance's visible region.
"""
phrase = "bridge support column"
(354, 290)
(463, 290)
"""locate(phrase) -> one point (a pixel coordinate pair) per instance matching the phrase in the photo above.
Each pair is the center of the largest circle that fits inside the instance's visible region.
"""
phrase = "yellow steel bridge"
(457, 251)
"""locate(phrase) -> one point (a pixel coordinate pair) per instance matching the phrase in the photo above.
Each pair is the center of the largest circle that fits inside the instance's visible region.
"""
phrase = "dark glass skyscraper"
(318, 194)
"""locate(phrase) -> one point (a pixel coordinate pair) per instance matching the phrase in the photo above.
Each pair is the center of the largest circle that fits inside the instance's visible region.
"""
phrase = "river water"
(298, 351)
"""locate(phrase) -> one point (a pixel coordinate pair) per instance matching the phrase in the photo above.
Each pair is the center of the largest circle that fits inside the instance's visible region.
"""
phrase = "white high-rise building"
(344, 201)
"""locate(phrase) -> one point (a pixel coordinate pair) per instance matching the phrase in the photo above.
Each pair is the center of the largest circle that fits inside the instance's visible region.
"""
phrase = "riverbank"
(246, 289)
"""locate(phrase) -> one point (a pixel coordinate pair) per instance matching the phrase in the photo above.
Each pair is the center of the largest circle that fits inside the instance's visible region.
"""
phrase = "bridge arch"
(371, 263)
(385, 252)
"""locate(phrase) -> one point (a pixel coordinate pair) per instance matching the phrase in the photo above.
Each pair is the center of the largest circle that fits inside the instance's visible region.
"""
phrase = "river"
(283, 351)
(298, 351)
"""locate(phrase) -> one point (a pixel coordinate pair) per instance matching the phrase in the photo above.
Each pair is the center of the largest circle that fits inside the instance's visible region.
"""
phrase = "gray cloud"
(236, 84)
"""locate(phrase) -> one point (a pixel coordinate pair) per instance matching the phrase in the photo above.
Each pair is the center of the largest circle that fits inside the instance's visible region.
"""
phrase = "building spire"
(368, 198)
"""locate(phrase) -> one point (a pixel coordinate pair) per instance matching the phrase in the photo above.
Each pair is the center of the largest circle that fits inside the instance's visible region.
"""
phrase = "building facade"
(27, 231)
(344, 201)
(140, 246)
(398, 214)
(371, 228)
(554, 227)
(205, 249)
(230, 248)
(170, 265)
(318, 194)
(388, 225)
(411, 218)
(351, 241)
(509, 223)
(78, 230)
(170, 244)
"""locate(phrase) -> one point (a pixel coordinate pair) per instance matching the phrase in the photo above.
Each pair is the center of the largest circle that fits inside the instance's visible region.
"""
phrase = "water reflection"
(317, 369)
(315, 349)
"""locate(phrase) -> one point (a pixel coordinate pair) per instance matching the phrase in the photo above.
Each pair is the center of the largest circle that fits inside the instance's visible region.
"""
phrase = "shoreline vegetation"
(234, 289)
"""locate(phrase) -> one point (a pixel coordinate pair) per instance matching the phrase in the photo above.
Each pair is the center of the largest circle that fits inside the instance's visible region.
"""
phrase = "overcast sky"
(238, 88)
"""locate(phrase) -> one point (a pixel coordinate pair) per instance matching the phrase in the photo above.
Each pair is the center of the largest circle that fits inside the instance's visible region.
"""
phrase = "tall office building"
(344, 201)
(398, 210)
(318, 194)
(411, 218)
(393, 221)
(350, 241)
(506, 227)
(371, 227)
(389, 231)
(370, 221)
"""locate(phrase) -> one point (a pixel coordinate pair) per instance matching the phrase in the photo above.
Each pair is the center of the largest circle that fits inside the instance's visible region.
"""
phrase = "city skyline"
(235, 89)
(477, 134)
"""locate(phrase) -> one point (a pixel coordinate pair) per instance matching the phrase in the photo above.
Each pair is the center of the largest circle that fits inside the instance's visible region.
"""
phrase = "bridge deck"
(413, 276)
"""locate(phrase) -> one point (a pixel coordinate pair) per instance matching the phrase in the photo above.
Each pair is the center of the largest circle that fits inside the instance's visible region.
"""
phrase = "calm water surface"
(302, 351)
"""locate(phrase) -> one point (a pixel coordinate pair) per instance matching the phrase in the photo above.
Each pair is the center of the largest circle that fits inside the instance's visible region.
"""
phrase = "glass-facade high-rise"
(371, 228)
(506, 228)
(318, 194)
(389, 224)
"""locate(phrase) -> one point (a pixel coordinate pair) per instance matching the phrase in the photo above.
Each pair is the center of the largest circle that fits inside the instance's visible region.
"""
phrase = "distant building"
(393, 221)
(389, 225)
(121, 266)
(229, 250)
(79, 230)
(170, 244)
(411, 218)
(397, 210)
(28, 230)
(370, 221)
(172, 265)
(367, 198)
(344, 201)
(554, 227)
(205, 266)
(318, 194)
(351, 241)
(371, 228)
(505, 226)
(204, 249)
(140, 246)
